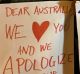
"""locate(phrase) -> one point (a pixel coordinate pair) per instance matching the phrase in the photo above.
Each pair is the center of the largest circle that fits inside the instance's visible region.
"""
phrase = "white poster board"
(78, 24)
(32, 37)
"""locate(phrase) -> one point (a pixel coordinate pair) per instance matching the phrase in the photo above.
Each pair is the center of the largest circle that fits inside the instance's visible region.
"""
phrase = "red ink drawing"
(14, 32)
(39, 30)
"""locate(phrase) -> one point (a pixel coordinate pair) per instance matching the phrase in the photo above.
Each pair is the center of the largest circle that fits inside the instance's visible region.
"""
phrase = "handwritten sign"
(32, 37)
(78, 24)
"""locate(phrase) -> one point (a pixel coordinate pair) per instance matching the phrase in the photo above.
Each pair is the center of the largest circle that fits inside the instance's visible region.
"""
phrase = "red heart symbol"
(39, 30)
